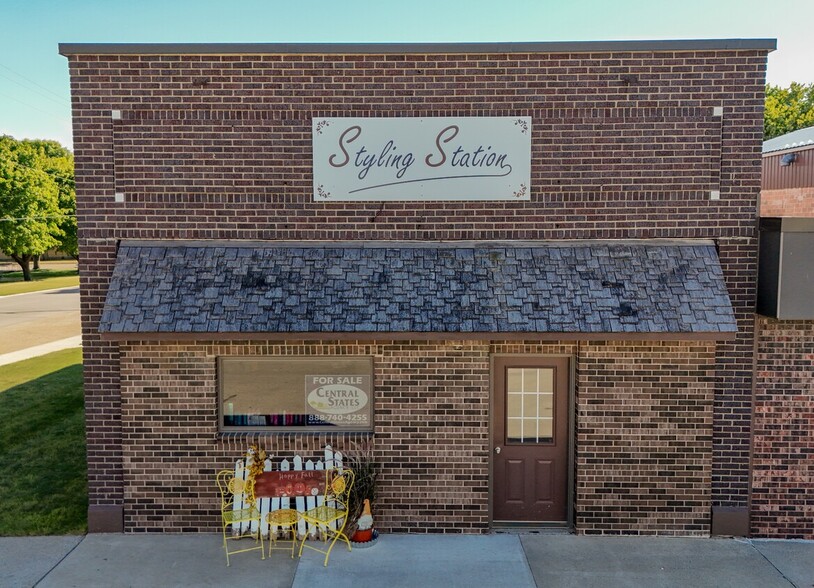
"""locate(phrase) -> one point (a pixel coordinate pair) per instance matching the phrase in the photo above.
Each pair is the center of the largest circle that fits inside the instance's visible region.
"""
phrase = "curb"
(39, 292)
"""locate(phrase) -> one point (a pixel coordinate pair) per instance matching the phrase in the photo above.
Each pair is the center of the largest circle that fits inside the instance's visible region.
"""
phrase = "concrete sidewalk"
(38, 350)
(427, 561)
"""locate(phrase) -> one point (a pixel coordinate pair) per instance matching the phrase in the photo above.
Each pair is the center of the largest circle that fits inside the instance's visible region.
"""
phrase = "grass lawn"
(44, 279)
(43, 470)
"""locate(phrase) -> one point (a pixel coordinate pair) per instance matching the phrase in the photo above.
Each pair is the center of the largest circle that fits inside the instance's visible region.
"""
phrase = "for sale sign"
(343, 401)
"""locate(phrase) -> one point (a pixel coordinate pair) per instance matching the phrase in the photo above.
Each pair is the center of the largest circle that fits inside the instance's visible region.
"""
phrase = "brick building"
(782, 493)
(526, 271)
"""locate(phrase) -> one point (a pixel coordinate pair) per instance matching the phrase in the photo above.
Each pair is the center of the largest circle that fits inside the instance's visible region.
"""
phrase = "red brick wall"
(101, 376)
(638, 405)
(431, 437)
(733, 379)
(625, 145)
(783, 460)
(792, 202)
(644, 442)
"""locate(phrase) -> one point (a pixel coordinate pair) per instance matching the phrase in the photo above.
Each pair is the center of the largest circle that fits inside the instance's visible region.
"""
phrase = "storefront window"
(287, 394)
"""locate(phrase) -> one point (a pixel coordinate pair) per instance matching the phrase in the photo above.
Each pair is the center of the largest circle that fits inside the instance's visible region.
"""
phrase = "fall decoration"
(257, 456)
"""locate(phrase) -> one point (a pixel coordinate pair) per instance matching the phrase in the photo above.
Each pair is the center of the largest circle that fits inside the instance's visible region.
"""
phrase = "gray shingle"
(598, 287)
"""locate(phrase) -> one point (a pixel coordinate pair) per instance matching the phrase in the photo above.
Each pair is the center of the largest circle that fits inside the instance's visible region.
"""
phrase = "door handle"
(497, 449)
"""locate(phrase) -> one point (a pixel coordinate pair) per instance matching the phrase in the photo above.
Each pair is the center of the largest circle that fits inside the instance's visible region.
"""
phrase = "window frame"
(302, 429)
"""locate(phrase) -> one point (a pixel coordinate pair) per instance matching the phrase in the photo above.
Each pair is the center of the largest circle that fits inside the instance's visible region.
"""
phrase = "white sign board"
(441, 158)
(339, 400)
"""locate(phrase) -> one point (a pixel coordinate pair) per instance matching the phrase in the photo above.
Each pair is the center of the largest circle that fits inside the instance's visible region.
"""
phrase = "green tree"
(59, 165)
(788, 109)
(30, 213)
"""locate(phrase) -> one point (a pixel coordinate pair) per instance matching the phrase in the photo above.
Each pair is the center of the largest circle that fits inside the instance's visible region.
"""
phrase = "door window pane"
(514, 404)
(529, 405)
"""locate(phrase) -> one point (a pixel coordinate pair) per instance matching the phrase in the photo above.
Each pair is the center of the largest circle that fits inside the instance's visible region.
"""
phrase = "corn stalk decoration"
(258, 464)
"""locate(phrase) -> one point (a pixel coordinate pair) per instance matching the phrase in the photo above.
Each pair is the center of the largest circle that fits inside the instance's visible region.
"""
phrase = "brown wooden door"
(530, 440)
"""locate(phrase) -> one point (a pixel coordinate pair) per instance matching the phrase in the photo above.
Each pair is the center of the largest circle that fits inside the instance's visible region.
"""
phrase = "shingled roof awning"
(587, 290)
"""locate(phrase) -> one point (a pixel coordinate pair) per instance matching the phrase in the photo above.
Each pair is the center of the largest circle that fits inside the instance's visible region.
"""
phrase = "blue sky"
(34, 90)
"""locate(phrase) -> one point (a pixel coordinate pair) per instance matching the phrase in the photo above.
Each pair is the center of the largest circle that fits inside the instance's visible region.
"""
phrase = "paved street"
(28, 320)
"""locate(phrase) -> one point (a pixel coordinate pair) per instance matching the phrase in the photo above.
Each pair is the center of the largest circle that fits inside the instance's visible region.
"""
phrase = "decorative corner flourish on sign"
(322, 124)
(521, 192)
(322, 192)
(524, 126)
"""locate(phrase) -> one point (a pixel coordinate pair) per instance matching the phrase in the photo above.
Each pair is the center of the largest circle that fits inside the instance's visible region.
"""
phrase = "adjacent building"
(783, 456)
